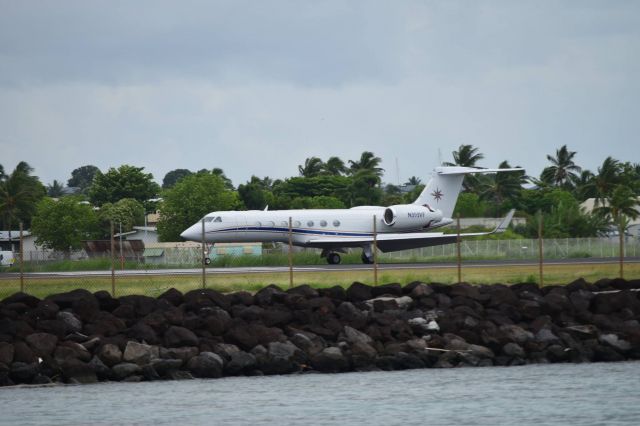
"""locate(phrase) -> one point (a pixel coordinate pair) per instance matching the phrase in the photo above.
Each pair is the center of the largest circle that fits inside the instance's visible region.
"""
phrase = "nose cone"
(190, 234)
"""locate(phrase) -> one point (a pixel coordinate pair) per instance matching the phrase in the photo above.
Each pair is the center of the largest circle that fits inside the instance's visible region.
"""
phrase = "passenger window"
(296, 223)
(336, 223)
(310, 223)
(284, 223)
(271, 224)
(258, 224)
(323, 223)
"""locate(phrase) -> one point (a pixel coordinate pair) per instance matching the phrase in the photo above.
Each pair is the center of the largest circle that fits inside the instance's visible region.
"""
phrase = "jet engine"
(410, 216)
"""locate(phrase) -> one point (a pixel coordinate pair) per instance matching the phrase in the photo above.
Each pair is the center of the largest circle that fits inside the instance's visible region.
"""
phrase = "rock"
(179, 375)
(142, 305)
(269, 295)
(110, 354)
(359, 292)
(172, 296)
(46, 309)
(546, 337)
(207, 364)
(143, 333)
(184, 353)
(179, 336)
(241, 335)
(217, 321)
(67, 350)
(330, 360)
(149, 373)
(100, 369)
(225, 350)
(406, 361)
(139, 353)
(354, 336)
(105, 324)
(24, 298)
(362, 355)
(308, 342)
(421, 290)
(106, 301)
(71, 322)
(22, 372)
(513, 350)
(615, 342)
(6, 353)
(55, 327)
(516, 334)
(125, 369)
(240, 363)
(40, 379)
(336, 293)
(355, 317)
(42, 344)
(164, 366)
(282, 358)
(304, 290)
(241, 298)
(23, 353)
(276, 317)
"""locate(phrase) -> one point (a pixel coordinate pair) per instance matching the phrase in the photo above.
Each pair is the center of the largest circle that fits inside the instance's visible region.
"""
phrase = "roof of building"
(15, 235)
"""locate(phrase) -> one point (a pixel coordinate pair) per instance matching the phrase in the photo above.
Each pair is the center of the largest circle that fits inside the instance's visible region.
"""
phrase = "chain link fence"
(183, 268)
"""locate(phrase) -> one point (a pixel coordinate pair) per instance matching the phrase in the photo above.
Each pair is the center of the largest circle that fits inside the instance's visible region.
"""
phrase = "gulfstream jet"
(398, 227)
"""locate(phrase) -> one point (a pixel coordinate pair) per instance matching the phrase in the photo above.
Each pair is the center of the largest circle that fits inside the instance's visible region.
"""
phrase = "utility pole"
(113, 263)
(290, 254)
(458, 248)
(204, 258)
(21, 259)
(375, 251)
(540, 253)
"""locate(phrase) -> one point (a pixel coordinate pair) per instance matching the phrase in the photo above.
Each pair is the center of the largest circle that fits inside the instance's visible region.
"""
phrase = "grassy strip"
(156, 284)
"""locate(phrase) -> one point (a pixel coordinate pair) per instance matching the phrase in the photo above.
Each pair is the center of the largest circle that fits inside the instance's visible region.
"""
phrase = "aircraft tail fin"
(442, 190)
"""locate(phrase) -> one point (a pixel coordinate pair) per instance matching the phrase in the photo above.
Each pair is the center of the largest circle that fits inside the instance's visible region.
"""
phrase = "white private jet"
(398, 227)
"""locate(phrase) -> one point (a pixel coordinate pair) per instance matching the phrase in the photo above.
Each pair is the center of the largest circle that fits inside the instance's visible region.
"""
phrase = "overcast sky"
(255, 87)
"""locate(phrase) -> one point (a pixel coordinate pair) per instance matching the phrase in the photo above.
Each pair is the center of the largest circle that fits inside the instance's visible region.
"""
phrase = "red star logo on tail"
(437, 194)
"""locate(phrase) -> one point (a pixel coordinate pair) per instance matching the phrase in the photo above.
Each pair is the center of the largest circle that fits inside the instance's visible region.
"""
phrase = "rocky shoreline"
(80, 337)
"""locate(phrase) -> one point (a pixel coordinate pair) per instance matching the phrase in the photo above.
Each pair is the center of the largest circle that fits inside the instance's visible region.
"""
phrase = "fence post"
(375, 251)
(204, 255)
(621, 234)
(113, 263)
(21, 259)
(459, 256)
(121, 254)
(540, 247)
(290, 254)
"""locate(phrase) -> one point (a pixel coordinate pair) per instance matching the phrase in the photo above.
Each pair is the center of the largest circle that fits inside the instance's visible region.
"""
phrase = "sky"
(256, 87)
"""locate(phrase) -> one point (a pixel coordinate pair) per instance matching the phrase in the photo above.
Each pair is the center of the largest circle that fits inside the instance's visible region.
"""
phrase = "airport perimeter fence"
(42, 273)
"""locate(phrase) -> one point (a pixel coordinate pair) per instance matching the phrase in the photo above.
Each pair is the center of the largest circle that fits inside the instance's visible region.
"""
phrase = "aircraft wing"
(398, 241)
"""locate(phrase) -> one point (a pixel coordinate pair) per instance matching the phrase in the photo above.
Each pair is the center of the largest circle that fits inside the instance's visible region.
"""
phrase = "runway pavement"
(316, 268)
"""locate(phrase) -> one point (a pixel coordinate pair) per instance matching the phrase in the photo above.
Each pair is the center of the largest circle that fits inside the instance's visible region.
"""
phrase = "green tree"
(82, 177)
(334, 167)
(413, 180)
(620, 205)
(227, 182)
(62, 225)
(19, 193)
(563, 170)
(312, 167)
(190, 199)
(500, 187)
(124, 182)
(470, 205)
(55, 189)
(320, 202)
(172, 177)
(126, 212)
(256, 194)
(368, 164)
(467, 156)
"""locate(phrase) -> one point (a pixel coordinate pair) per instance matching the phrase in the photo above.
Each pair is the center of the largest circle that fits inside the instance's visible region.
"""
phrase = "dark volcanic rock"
(180, 336)
(42, 344)
(207, 364)
(172, 296)
(330, 360)
(359, 292)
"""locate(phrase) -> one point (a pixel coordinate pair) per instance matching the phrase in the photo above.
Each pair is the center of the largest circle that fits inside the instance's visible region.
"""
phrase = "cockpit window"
(218, 219)
(208, 219)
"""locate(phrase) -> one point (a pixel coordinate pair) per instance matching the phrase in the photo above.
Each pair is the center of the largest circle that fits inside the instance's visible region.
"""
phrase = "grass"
(227, 282)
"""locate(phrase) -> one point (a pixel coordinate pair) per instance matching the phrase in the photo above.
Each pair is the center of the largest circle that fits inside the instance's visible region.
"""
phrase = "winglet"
(505, 222)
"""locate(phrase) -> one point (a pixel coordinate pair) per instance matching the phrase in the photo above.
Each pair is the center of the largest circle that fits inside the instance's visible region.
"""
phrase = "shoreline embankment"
(84, 337)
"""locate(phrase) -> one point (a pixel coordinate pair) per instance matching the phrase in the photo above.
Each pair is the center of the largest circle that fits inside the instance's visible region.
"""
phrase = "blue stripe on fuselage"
(294, 231)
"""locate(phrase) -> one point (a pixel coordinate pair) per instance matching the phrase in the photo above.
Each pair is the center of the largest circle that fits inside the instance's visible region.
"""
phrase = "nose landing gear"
(333, 258)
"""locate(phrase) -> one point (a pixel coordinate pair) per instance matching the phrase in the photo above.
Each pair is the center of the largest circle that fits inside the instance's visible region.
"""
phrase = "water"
(582, 394)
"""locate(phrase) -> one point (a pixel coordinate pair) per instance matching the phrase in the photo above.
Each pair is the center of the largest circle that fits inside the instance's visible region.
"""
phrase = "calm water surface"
(583, 394)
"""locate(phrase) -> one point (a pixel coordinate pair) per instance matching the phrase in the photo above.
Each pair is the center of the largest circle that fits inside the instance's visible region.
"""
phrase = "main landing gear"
(367, 255)
(333, 258)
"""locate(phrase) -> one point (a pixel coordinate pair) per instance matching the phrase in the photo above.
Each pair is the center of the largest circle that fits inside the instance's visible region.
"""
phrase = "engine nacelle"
(409, 216)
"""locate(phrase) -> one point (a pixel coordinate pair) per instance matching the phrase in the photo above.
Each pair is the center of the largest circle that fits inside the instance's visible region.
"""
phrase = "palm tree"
(465, 156)
(19, 193)
(583, 187)
(334, 166)
(603, 184)
(562, 170)
(313, 166)
(56, 189)
(502, 186)
(620, 206)
(414, 181)
(368, 162)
